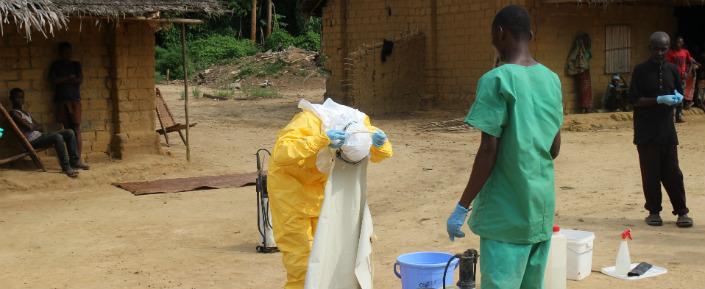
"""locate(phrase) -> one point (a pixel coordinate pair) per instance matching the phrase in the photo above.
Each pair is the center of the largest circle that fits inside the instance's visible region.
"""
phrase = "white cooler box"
(579, 253)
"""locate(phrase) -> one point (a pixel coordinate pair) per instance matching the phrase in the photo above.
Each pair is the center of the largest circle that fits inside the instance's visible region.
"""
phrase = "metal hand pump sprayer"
(264, 225)
(468, 269)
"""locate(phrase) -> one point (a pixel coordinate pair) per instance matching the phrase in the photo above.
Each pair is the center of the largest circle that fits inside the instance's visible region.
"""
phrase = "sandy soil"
(62, 233)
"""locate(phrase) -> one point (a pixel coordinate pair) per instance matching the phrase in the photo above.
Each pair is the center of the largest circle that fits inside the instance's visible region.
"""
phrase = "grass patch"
(225, 93)
(261, 92)
(273, 68)
(247, 69)
(261, 69)
(196, 92)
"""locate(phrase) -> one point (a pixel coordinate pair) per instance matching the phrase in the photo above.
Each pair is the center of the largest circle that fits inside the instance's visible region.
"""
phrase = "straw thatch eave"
(45, 16)
(41, 15)
(128, 8)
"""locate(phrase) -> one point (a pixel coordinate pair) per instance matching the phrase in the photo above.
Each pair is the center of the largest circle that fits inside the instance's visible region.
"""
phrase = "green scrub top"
(523, 107)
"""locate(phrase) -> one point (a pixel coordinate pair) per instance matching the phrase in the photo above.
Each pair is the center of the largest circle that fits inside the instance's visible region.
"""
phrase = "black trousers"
(659, 165)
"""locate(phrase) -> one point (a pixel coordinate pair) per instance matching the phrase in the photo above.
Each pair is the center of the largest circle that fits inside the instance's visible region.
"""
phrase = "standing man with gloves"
(519, 109)
(296, 184)
(655, 89)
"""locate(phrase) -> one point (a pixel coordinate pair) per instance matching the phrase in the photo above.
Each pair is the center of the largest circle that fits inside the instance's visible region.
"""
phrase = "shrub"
(279, 40)
(203, 52)
(170, 59)
(310, 40)
(218, 48)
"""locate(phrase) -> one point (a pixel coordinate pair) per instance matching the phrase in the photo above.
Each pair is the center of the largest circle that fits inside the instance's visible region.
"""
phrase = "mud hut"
(114, 41)
(436, 50)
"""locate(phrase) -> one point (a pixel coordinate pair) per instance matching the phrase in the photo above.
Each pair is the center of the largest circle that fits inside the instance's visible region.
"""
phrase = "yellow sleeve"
(378, 154)
(301, 139)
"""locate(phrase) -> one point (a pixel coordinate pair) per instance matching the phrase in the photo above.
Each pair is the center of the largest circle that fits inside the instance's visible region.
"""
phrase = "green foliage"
(273, 68)
(279, 40)
(170, 59)
(246, 70)
(310, 38)
(158, 77)
(238, 7)
(218, 48)
(202, 54)
(261, 92)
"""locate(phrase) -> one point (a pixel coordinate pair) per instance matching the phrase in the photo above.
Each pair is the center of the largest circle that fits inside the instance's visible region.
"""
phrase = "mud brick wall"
(117, 90)
(395, 85)
(457, 33)
(456, 41)
(557, 25)
(133, 94)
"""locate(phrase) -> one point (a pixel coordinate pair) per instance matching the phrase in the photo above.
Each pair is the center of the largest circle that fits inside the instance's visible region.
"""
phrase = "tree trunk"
(269, 18)
(253, 31)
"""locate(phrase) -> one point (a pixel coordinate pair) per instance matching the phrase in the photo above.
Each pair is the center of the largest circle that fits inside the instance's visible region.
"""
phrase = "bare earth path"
(86, 234)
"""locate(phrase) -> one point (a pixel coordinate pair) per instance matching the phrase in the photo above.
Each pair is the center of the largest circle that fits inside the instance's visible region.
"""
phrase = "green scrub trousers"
(512, 266)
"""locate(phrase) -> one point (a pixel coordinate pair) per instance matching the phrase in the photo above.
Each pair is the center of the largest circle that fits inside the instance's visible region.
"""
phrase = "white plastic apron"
(342, 248)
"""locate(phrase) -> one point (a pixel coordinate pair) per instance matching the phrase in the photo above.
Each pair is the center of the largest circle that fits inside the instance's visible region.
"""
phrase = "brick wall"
(394, 85)
(26, 64)
(133, 96)
(557, 25)
(457, 33)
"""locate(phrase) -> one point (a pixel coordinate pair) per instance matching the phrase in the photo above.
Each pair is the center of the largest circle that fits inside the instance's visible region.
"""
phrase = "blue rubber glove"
(669, 100)
(379, 138)
(679, 96)
(337, 138)
(456, 221)
(1, 132)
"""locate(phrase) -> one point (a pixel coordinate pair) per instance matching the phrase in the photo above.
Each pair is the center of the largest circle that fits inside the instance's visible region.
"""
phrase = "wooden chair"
(166, 120)
(28, 149)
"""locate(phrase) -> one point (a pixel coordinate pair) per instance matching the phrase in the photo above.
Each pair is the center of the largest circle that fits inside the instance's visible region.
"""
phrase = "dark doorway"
(691, 26)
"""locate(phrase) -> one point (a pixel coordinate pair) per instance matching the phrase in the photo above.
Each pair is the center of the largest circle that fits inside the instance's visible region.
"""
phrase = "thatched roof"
(47, 15)
(42, 15)
(133, 7)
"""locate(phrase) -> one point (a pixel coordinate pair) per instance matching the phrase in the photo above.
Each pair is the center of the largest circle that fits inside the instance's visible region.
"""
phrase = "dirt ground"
(85, 233)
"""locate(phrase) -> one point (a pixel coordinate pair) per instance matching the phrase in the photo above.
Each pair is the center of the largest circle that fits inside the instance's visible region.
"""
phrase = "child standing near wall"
(519, 109)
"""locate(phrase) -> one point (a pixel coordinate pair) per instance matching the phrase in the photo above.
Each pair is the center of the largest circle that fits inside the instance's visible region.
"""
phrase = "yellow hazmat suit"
(295, 187)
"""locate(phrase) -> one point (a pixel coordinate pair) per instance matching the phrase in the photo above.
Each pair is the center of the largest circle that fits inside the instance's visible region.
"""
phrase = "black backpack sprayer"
(264, 223)
(468, 269)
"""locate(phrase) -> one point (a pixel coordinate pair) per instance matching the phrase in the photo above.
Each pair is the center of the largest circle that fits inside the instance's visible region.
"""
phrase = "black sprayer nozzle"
(468, 269)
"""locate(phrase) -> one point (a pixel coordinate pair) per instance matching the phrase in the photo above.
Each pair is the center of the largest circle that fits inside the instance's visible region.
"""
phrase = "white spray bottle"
(624, 262)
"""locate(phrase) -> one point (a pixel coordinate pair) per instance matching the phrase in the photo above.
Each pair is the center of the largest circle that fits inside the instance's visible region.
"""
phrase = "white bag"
(342, 247)
(341, 256)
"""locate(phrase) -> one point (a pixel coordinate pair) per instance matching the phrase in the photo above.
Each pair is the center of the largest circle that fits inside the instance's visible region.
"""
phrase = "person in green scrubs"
(519, 109)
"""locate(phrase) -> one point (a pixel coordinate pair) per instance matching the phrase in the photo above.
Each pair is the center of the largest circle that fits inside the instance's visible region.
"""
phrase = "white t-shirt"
(31, 135)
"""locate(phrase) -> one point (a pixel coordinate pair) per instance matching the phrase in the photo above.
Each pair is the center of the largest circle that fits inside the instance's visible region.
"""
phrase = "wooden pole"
(185, 64)
(269, 18)
(253, 31)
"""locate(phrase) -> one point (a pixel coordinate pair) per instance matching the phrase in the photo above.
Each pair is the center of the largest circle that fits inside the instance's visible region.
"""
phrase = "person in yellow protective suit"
(296, 186)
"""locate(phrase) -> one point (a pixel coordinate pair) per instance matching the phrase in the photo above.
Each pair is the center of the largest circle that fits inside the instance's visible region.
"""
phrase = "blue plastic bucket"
(424, 270)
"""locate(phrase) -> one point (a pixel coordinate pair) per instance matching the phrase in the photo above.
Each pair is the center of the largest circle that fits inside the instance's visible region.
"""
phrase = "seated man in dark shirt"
(66, 75)
(655, 90)
(64, 141)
